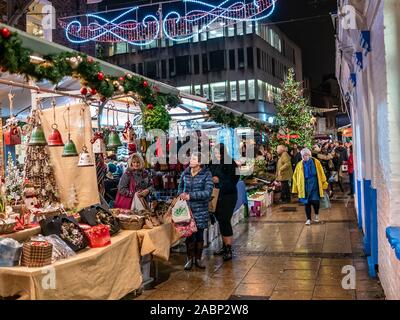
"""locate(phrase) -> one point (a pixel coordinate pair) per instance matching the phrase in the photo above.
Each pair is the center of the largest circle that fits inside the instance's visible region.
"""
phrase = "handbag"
(212, 205)
(325, 203)
(125, 202)
(185, 230)
(67, 228)
(97, 214)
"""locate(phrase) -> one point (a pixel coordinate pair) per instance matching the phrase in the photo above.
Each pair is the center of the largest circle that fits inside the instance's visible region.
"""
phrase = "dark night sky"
(315, 37)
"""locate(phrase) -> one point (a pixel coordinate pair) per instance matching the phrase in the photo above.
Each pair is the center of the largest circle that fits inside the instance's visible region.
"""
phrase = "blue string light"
(176, 27)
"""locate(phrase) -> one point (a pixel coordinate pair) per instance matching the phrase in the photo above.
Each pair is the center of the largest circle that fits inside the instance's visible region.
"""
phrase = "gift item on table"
(131, 222)
(67, 228)
(98, 236)
(98, 214)
(10, 252)
(61, 250)
(7, 226)
(36, 254)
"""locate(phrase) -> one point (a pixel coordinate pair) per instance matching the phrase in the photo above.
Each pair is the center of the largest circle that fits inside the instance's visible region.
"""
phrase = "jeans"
(313, 203)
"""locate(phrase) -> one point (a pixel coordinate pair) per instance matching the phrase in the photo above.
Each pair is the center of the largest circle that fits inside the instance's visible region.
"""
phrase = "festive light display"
(137, 27)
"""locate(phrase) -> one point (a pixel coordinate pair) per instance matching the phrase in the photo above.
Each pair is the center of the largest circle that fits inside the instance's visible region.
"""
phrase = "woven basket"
(6, 228)
(36, 255)
(134, 223)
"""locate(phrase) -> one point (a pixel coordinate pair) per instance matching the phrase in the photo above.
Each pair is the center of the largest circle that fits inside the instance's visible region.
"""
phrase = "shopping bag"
(324, 202)
(344, 168)
(212, 205)
(185, 230)
(334, 177)
(181, 212)
(139, 203)
(10, 252)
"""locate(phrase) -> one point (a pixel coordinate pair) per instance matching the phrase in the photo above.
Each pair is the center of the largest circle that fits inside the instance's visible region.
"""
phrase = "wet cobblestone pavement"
(277, 257)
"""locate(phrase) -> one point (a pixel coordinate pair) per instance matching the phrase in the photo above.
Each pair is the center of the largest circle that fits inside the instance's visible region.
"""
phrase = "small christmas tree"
(14, 182)
(294, 117)
(72, 202)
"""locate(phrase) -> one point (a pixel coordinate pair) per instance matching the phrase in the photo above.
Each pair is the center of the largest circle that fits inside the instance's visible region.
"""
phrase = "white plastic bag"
(181, 212)
(139, 203)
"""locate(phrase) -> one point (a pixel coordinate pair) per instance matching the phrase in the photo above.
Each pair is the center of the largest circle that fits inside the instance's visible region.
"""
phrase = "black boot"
(221, 251)
(190, 251)
(199, 253)
(228, 253)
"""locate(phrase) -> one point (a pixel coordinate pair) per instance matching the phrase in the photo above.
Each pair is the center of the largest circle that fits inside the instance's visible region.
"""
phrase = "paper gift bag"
(212, 205)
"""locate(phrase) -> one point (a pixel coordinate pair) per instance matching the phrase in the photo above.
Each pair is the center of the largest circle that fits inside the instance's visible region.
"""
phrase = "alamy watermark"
(349, 280)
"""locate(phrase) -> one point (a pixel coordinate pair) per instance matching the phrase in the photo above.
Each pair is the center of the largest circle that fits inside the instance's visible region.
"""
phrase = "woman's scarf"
(309, 169)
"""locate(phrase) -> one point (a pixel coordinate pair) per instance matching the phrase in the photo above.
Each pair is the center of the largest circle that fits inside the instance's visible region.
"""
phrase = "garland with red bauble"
(15, 59)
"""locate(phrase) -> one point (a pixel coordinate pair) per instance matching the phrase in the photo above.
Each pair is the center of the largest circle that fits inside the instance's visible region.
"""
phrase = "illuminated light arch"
(199, 16)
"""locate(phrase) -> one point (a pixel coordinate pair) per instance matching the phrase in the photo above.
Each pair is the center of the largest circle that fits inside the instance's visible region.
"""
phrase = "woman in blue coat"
(196, 187)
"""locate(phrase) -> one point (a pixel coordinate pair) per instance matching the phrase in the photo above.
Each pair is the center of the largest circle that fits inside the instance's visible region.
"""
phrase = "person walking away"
(296, 156)
(225, 179)
(284, 172)
(309, 182)
(327, 164)
(196, 188)
(135, 179)
(350, 164)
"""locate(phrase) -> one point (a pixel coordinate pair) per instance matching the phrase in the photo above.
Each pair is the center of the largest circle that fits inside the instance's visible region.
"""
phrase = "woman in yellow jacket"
(309, 182)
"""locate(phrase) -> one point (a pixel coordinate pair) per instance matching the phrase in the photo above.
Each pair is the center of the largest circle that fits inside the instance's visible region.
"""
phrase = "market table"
(22, 235)
(104, 273)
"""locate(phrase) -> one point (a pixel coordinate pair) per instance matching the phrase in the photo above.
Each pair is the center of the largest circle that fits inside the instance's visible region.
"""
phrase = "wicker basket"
(36, 254)
(132, 223)
(6, 228)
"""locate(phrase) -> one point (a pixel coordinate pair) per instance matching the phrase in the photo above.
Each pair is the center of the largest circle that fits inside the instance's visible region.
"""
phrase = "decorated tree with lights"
(14, 182)
(294, 117)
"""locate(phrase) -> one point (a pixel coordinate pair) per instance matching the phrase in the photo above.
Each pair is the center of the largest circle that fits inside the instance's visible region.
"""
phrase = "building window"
(242, 90)
(250, 59)
(217, 30)
(206, 91)
(232, 64)
(217, 60)
(182, 65)
(241, 58)
(120, 48)
(195, 33)
(133, 68)
(163, 69)
(196, 64)
(204, 62)
(172, 72)
(233, 89)
(239, 28)
(231, 30)
(252, 89)
(203, 35)
(197, 90)
(151, 69)
(185, 89)
(261, 90)
(218, 91)
(273, 67)
(140, 68)
(258, 58)
(249, 27)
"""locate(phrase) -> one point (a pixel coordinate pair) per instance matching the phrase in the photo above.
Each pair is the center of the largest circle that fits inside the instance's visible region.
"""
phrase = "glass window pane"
(249, 27)
(239, 28)
(233, 89)
(218, 91)
(203, 35)
(231, 30)
(206, 91)
(242, 90)
(195, 33)
(216, 30)
(197, 90)
(185, 89)
(252, 89)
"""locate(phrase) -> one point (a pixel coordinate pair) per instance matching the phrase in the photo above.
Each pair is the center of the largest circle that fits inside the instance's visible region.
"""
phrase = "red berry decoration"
(150, 106)
(90, 60)
(122, 79)
(84, 91)
(93, 91)
(5, 33)
(145, 84)
(100, 76)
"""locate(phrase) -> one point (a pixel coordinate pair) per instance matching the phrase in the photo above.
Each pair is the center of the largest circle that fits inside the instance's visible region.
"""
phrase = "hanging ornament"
(145, 84)
(98, 143)
(121, 89)
(90, 60)
(73, 62)
(122, 79)
(84, 91)
(79, 59)
(69, 147)
(12, 134)
(5, 33)
(85, 160)
(93, 91)
(116, 83)
(55, 139)
(100, 76)
(150, 106)
(129, 75)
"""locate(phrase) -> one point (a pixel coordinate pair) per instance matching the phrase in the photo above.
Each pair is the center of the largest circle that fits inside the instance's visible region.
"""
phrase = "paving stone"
(291, 295)
(299, 275)
(323, 291)
(295, 285)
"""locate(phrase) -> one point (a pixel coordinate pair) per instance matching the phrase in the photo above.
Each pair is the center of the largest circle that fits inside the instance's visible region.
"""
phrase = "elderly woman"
(134, 180)
(284, 172)
(309, 182)
(196, 187)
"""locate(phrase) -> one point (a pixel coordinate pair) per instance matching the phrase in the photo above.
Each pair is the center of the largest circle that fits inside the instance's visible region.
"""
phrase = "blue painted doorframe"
(359, 205)
(367, 216)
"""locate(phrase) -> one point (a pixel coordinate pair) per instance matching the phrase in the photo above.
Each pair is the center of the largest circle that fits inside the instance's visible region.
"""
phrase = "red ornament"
(84, 91)
(100, 76)
(103, 99)
(90, 60)
(93, 91)
(145, 84)
(150, 106)
(3, 69)
(5, 33)
(122, 79)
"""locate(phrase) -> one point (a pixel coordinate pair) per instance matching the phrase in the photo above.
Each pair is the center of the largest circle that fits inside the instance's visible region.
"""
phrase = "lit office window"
(269, 92)
(203, 35)
(233, 88)
(121, 47)
(242, 90)
(239, 28)
(218, 91)
(258, 28)
(231, 31)
(110, 51)
(195, 33)
(206, 91)
(216, 30)
(261, 90)
(252, 89)
(185, 89)
(163, 43)
(249, 27)
(197, 90)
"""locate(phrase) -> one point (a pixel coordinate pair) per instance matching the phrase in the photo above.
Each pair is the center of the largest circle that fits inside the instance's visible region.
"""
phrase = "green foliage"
(156, 118)
(294, 114)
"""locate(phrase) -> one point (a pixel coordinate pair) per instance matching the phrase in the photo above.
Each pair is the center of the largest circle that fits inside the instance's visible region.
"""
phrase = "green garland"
(14, 58)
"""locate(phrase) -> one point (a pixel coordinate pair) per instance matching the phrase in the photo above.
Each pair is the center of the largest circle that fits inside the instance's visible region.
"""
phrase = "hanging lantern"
(113, 140)
(70, 148)
(85, 160)
(37, 137)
